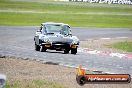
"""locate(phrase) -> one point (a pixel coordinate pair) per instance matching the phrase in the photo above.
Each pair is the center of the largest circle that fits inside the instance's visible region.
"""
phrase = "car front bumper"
(59, 45)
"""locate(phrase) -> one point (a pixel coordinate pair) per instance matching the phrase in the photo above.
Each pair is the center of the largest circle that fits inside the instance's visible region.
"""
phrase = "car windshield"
(55, 28)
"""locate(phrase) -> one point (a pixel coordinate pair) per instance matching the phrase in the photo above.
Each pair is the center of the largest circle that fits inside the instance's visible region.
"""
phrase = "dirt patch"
(25, 70)
(103, 44)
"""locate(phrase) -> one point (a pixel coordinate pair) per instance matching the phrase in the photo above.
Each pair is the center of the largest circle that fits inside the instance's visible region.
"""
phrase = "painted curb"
(104, 53)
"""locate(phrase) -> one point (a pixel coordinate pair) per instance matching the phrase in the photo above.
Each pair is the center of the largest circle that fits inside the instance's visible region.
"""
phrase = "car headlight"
(74, 42)
(46, 40)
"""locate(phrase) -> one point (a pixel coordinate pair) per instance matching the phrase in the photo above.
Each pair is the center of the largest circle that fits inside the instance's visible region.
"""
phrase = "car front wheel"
(74, 51)
(37, 47)
(42, 49)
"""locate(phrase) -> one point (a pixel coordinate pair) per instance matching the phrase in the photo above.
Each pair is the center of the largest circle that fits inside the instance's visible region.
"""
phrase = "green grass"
(82, 20)
(33, 84)
(74, 14)
(126, 46)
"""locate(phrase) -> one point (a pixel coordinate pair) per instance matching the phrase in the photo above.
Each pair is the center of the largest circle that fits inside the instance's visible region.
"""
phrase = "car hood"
(59, 38)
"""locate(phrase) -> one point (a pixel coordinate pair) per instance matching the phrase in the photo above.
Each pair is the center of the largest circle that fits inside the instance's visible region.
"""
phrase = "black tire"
(74, 51)
(42, 49)
(37, 47)
(66, 51)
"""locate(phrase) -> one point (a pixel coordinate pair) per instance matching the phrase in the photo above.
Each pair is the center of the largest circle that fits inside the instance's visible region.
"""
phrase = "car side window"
(44, 31)
(65, 30)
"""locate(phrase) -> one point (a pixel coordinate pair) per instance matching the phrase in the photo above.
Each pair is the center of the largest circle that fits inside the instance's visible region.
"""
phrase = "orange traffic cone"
(81, 71)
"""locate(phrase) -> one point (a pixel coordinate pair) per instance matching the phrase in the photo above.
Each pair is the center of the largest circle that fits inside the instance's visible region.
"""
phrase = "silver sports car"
(56, 36)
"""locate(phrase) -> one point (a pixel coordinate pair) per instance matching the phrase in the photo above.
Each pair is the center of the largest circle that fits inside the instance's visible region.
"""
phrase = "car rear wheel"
(37, 47)
(42, 49)
(74, 51)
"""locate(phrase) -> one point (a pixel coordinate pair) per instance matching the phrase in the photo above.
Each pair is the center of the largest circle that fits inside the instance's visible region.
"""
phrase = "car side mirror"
(70, 34)
(38, 32)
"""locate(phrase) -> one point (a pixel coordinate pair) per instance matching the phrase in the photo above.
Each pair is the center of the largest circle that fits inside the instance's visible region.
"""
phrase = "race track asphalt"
(18, 41)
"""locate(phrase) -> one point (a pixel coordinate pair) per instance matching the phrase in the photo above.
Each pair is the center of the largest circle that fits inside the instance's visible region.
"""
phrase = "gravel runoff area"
(27, 70)
(104, 44)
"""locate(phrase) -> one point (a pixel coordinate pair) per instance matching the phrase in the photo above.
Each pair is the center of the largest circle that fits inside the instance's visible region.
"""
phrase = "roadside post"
(2, 81)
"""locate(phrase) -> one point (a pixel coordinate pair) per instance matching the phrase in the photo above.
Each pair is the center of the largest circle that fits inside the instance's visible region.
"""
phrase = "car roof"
(54, 23)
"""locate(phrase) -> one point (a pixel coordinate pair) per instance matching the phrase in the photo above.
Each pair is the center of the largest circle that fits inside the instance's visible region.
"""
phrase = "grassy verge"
(33, 84)
(72, 19)
(86, 15)
(126, 46)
